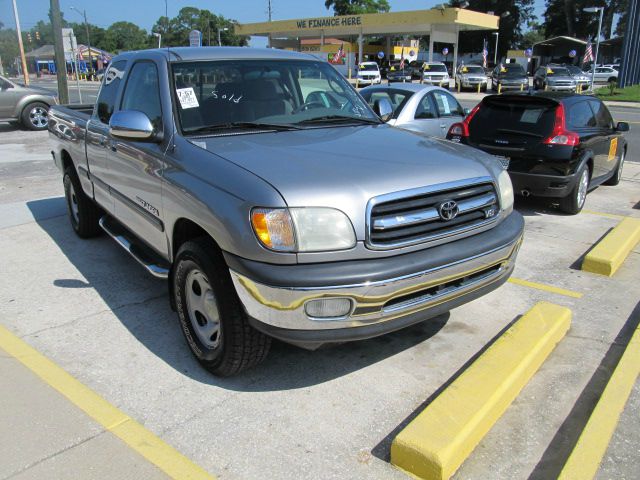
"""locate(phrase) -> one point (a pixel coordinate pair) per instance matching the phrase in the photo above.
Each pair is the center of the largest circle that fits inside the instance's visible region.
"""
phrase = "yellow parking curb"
(443, 435)
(584, 461)
(149, 446)
(544, 287)
(607, 256)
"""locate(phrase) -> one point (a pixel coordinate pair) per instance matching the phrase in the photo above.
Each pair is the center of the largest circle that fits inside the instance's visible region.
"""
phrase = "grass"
(627, 94)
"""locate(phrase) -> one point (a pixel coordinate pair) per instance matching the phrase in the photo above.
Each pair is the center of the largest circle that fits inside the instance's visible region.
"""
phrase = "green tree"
(535, 34)
(515, 17)
(175, 31)
(566, 17)
(125, 36)
(356, 7)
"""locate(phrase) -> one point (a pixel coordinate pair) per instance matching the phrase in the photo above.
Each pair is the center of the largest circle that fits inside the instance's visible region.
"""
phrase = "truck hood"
(344, 167)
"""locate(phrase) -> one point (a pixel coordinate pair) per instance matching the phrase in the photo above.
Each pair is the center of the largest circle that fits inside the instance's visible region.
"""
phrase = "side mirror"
(131, 125)
(467, 111)
(383, 109)
(622, 127)
(6, 86)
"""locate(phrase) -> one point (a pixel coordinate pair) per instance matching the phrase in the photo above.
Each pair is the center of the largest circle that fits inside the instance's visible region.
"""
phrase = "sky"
(144, 13)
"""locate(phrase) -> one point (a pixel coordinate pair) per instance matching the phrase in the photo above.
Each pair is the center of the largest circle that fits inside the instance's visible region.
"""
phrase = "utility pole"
(61, 63)
(269, 12)
(86, 26)
(25, 71)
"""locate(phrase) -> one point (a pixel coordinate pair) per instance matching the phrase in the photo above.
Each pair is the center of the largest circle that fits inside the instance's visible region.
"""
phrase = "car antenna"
(170, 144)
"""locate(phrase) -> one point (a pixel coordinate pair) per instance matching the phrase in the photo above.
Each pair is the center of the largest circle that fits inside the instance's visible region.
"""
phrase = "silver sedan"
(419, 108)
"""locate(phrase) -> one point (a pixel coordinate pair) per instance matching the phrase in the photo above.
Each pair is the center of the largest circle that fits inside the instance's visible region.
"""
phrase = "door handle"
(114, 146)
(442, 125)
(102, 140)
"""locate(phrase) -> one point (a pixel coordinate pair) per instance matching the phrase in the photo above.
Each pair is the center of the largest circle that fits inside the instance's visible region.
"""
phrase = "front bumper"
(436, 80)
(561, 88)
(514, 85)
(553, 186)
(387, 294)
(369, 81)
(399, 78)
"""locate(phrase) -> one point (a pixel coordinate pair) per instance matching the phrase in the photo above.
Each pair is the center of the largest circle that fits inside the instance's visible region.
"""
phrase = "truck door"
(135, 167)
(98, 134)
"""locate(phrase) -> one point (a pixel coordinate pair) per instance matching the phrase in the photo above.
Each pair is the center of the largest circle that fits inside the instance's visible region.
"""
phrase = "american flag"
(337, 58)
(402, 59)
(588, 53)
(485, 52)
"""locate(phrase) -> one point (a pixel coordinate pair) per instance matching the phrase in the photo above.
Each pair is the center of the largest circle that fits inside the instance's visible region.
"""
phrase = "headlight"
(505, 189)
(303, 229)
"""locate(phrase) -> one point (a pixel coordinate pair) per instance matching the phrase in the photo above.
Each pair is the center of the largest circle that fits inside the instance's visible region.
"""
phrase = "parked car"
(558, 145)
(279, 204)
(554, 77)
(470, 76)
(28, 106)
(435, 73)
(509, 76)
(605, 74)
(399, 72)
(583, 80)
(368, 73)
(419, 108)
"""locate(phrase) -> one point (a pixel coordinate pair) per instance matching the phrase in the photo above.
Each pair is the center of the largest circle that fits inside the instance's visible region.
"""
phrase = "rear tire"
(211, 316)
(573, 203)
(35, 116)
(83, 213)
(617, 174)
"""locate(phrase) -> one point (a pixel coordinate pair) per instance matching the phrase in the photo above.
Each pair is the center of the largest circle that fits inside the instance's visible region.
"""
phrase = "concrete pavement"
(42, 435)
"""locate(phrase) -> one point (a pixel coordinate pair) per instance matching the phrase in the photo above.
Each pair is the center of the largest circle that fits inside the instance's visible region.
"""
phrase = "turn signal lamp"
(560, 135)
(274, 228)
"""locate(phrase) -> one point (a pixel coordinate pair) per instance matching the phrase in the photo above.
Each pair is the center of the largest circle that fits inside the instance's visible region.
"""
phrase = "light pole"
(495, 54)
(595, 59)
(86, 26)
(159, 36)
(221, 30)
(25, 71)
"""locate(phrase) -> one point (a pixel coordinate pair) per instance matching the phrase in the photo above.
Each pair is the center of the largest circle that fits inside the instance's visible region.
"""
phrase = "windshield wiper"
(243, 126)
(339, 119)
(519, 132)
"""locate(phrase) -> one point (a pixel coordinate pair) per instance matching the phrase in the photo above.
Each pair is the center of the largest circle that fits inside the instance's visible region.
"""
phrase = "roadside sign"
(195, 38)
(69, 43)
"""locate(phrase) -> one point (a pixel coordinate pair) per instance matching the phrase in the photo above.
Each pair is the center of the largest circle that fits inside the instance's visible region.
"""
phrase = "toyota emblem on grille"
(448, 210)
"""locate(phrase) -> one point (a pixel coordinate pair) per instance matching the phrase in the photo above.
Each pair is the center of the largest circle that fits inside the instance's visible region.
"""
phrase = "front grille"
(396, 221)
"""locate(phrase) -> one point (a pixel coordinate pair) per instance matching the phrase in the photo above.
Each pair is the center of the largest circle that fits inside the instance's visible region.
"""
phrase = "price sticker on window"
(187, 98)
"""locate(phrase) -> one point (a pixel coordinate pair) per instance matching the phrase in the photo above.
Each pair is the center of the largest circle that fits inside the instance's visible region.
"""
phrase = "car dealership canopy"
(441, 24)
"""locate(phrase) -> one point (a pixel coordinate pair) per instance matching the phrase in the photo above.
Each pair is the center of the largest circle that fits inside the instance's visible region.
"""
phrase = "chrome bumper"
(377, 302)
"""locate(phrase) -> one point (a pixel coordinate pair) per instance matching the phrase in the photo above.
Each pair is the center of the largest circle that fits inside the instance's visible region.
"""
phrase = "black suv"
(557, 145)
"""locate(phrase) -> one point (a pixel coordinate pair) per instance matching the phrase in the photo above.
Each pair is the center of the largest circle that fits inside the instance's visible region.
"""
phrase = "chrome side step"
(141, 253)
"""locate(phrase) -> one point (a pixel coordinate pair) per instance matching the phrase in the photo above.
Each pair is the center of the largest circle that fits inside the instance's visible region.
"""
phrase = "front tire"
(83, 213)
(211, 317)
(573, 203)
(617, 174)
(35, 116)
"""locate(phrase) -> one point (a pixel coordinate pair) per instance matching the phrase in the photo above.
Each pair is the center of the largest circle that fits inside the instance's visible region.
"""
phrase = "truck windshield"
(212, 95)
(472, 69)
(368, 67)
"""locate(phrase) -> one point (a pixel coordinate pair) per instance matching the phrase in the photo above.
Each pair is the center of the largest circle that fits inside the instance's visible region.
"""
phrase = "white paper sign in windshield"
(187, 98)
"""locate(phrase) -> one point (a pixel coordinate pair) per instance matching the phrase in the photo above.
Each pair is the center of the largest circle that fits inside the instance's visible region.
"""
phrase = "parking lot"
(332, 413)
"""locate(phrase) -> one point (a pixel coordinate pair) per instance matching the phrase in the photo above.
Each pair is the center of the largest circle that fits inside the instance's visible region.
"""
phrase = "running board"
(141, 253)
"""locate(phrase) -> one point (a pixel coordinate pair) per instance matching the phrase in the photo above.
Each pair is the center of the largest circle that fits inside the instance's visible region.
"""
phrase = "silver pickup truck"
(277, 203)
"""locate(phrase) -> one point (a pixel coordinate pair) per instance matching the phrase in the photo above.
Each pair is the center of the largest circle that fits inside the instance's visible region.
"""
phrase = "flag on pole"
(485, 53)
(339, 55)
(402, 59)
(588, 53)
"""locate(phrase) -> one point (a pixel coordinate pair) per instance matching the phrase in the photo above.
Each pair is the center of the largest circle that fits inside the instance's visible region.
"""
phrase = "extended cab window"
(109, 91)
(142, 92)
(581, 116)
